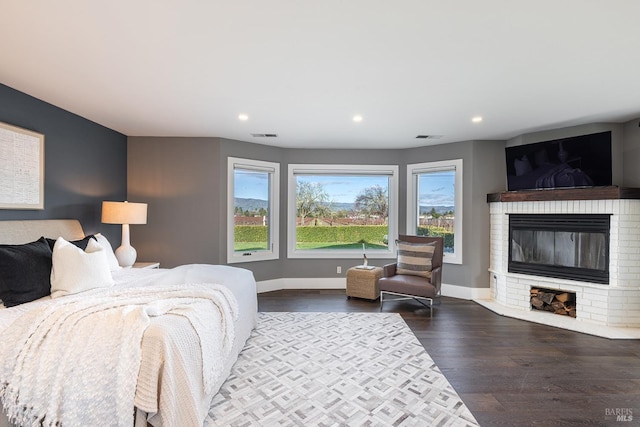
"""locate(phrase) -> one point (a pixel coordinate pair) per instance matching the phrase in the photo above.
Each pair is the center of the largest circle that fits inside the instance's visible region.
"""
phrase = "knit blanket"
(77, 358)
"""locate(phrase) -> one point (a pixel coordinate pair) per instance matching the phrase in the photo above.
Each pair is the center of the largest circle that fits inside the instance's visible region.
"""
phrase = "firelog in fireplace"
(564, 246)
(554, 301)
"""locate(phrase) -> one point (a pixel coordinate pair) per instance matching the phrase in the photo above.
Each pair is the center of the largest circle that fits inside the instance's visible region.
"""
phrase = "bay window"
(434, 204)
(252, 210)
(338, 211)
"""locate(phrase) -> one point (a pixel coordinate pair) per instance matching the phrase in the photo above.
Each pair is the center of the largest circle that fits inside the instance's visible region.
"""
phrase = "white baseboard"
(454, 291)
(464, 292)
(302, 283)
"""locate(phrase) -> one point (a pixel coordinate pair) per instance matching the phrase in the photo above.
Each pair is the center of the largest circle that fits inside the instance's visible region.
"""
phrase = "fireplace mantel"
(542, 195)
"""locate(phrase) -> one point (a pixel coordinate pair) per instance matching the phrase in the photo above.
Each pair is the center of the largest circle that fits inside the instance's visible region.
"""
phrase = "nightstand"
(146, 265)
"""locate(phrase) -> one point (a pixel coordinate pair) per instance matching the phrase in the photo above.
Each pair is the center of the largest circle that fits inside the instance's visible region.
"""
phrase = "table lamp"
(124, 213)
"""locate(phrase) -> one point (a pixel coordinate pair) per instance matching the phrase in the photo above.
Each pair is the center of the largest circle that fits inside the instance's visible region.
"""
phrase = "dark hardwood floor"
(508, 372)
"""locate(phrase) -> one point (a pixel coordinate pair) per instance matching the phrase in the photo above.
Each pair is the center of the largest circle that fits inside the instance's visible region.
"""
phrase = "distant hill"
(251, 204)
(439, 209)
(255, 204)
(342, 206)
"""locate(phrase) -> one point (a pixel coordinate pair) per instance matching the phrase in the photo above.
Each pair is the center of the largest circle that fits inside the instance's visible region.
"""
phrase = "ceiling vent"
(264, 135)
(428, 136)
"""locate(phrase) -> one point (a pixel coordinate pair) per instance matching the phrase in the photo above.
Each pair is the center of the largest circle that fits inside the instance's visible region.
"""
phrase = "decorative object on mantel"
(124, 213)
(21, 168)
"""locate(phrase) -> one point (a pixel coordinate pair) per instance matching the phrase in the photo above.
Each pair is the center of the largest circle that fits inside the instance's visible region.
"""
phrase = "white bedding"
(170, 389)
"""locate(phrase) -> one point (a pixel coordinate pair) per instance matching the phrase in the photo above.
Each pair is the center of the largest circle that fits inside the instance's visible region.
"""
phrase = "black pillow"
(25, 272)
(82, 243)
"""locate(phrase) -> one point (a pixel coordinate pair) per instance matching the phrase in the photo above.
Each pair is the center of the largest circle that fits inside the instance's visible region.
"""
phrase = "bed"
(180, 367)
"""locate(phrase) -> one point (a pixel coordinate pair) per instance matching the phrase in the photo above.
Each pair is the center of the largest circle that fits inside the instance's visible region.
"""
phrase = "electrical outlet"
(339, 269)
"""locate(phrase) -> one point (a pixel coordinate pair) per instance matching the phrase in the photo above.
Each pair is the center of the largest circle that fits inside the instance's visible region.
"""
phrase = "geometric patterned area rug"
(336, 369)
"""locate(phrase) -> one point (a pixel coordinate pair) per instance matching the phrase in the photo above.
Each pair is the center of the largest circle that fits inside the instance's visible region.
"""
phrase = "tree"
(342, 213)
(373, 201)
(311, 200)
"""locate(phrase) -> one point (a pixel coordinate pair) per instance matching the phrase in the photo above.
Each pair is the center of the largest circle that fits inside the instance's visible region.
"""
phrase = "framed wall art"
(21, 168)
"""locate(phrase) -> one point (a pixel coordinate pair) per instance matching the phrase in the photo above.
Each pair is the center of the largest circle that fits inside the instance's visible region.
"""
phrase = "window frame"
(338, 169)
(413, 170)
(273, 169)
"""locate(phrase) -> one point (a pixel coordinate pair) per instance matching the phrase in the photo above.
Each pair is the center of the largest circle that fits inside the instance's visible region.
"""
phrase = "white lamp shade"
(124, 213)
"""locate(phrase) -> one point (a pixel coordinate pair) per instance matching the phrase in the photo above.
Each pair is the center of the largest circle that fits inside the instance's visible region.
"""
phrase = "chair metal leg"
(406, 297)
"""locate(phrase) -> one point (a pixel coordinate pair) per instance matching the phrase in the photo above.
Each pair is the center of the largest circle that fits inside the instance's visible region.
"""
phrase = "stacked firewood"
(563, 303)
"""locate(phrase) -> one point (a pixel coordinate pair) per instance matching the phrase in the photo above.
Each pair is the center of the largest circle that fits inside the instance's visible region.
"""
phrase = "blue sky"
(251, 185)
(436, 189)
(345, 189)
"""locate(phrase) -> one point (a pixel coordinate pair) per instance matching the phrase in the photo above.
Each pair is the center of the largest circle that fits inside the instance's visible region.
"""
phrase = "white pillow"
(74, 270)
(108, 249)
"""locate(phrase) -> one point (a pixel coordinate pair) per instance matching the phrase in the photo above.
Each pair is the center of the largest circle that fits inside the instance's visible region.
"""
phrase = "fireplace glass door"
(563, 246)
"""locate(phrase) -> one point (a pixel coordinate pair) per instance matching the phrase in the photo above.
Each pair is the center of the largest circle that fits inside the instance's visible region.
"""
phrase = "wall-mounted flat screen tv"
(579, 161)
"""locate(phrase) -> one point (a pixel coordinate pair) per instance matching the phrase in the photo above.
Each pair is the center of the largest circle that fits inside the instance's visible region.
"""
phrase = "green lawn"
(250, 246)
(261, 246)
(337, 245)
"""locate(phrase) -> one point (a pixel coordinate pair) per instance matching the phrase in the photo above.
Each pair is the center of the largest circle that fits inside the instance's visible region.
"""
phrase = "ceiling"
(303, 69)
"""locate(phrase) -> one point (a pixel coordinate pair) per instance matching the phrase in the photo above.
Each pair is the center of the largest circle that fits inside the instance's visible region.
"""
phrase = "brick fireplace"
(614, 302)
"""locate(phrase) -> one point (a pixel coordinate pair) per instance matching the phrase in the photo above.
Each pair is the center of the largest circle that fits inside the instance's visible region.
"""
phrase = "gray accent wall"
(181, 180)
(631, 153)
(85, 163)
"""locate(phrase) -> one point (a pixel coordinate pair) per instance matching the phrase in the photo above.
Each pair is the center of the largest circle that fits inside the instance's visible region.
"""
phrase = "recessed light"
(429, 136)
(476, 119)
(357, 118)
(243, 117)
(264, 135)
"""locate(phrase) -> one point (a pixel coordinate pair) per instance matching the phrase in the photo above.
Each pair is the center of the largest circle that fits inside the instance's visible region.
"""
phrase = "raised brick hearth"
(615, 305)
